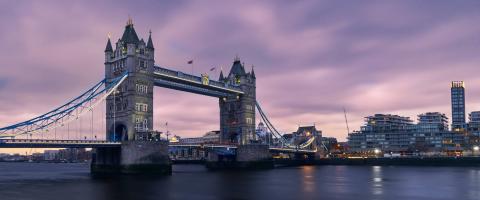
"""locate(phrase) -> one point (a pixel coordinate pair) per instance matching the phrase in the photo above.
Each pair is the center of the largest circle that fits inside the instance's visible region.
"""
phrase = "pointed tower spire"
(150, 43)
(129, 35)
(237, 68)
(252, 73)
(109, 48)
(221, 77)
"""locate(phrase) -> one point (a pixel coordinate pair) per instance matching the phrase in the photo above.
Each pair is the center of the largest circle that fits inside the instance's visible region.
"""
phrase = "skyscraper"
(458, 105)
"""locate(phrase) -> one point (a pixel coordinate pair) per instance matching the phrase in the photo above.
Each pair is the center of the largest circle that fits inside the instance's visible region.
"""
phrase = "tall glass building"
(458, 105)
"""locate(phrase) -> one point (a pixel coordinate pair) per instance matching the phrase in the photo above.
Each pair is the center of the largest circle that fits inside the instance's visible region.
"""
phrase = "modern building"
(432, 122)
(395, 134)
(474, 123)
(458, 105)
(386, 132)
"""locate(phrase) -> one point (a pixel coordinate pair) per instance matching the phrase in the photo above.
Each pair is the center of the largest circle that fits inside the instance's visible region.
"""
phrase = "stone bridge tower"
(237, 113)
(129, 112)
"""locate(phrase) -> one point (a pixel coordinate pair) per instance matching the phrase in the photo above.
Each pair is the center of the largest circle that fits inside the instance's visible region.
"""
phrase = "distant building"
(432, 122)
(209, 137)
(393, 133)
(330, 143)
(263, 134)
(304, 133)
(458, 105)
(385, 132)
(474, 123)
(50, 155)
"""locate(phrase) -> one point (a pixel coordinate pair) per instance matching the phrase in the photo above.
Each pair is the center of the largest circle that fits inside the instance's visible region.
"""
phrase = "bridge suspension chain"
(66, 113)
(278, 135)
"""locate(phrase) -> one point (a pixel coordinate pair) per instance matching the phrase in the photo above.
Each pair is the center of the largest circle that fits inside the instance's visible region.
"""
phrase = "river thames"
(73, 181)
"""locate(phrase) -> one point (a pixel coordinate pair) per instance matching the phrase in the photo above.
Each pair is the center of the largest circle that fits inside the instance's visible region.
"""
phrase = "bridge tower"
(237, 113)
(129, 112)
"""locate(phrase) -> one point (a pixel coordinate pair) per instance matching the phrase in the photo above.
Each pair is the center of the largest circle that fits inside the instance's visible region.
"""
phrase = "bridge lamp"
(476, 148)
(376, 151)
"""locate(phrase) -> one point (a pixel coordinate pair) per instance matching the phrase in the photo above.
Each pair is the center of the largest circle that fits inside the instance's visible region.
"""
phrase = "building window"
(141, 107)
(249, 120)
(142, 88)
(142, 64)
(138, 123)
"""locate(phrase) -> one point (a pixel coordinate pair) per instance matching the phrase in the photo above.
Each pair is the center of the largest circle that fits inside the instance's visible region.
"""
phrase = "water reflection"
(377, 180)
(308, 179)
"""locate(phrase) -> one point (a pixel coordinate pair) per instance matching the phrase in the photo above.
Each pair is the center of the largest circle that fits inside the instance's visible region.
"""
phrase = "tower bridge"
(127, 93)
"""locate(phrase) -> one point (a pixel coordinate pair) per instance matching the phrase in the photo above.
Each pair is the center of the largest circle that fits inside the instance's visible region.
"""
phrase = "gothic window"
(141, 107)
(237, 79)
(138, 123)
(249, 120)
(142, 88)
(142, 64)
(145, 124)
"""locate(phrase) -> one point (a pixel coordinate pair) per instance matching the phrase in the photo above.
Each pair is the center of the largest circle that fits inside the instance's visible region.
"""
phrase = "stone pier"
(251, 156)
(133, 157)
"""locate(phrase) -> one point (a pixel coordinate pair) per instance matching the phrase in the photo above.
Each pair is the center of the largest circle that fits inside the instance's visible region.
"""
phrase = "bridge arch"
(118, 132)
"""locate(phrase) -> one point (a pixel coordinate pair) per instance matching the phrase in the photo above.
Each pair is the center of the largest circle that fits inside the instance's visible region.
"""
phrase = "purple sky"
(311, 58)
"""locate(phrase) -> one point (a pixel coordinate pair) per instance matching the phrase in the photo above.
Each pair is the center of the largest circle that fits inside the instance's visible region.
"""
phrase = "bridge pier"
(133, 157)
(251, 156)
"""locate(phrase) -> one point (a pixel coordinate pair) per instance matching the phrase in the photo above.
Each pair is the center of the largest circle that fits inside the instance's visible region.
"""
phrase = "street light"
(376, 151)
(476, 148)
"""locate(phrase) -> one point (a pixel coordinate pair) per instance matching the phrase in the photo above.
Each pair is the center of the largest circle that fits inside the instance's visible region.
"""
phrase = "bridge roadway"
(45, 143)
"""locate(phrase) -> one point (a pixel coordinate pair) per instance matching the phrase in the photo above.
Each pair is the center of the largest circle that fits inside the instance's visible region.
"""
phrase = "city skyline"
(371, 61)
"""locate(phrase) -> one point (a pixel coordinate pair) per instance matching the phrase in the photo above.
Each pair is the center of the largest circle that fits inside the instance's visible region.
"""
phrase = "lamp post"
(475, 150)
(376, 151)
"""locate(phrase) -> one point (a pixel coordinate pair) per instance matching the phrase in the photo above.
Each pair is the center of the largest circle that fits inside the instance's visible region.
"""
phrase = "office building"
(458, 105)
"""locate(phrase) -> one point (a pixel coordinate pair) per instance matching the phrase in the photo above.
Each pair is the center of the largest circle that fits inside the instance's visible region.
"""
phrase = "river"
(51, 181)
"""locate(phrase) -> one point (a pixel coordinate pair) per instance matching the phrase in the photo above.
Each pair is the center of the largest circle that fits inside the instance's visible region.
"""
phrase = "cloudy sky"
(311, 58)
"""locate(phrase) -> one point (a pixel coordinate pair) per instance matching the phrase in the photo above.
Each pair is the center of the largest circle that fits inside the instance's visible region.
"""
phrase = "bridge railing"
(27, 141)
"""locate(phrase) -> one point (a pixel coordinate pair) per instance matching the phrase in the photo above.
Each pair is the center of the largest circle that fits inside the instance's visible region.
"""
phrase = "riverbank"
(402, 161)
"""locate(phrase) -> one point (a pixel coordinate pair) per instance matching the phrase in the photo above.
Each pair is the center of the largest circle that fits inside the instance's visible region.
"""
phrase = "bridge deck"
(186, 82)
(41, 143)
(34, 143)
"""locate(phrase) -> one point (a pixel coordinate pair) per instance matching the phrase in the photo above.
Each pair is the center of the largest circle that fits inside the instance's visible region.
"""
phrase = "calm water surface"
(72, 181)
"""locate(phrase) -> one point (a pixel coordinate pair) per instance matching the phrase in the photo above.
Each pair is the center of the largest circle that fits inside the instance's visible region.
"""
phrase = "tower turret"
(252, 73)
(149, 42)
(130, 107)
(221, 78)
(237, 113)
(108, 48)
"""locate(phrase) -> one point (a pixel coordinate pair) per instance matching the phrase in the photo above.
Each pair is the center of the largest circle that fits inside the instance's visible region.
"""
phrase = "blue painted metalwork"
(40, 143)
(189, 88)
(285, 145)
(186, 82)
(44, 121)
